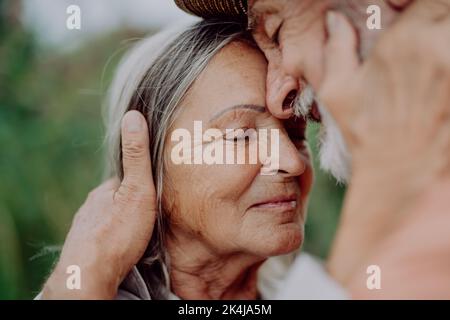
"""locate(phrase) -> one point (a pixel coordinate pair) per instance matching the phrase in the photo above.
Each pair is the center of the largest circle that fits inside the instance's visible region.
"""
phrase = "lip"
(277, 202)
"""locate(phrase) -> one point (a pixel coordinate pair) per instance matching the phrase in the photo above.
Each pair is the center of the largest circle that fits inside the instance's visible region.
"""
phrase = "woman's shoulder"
(133, 287)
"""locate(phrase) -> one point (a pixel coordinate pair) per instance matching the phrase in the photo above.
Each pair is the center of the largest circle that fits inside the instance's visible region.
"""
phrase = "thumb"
(341, 60)
(137, 168)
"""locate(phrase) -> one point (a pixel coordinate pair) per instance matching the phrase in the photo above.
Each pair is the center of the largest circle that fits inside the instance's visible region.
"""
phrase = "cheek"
(223, 186)
(307, 178)
(208, 198)
(176, 191)
(221, 204)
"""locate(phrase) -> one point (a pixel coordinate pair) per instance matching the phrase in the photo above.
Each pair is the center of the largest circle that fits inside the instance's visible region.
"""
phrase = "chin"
(284, 239)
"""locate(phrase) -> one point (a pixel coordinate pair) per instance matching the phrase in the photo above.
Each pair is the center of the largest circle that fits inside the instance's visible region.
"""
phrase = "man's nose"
(282, 91)
(291, 163)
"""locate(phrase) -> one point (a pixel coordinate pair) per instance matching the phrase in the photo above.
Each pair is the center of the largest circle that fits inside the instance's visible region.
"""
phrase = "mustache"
(304, 101)
(334, 155)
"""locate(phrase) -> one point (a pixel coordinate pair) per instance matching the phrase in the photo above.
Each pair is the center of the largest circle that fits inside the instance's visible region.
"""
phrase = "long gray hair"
(154, 78)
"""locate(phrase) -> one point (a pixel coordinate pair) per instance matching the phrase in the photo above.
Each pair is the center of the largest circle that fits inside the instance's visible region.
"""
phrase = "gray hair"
(154, 78)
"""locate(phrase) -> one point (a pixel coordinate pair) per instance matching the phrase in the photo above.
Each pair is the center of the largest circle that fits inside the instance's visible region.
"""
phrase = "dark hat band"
(207, 9)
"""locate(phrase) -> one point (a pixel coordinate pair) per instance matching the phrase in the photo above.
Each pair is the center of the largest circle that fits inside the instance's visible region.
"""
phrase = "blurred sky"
(47, 18)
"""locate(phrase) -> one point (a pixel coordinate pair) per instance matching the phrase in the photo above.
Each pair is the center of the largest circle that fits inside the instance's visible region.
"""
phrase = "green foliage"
(324, 205)
(51, 132)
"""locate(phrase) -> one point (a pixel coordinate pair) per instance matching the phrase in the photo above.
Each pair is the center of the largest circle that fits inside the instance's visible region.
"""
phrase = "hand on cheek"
(393, 110)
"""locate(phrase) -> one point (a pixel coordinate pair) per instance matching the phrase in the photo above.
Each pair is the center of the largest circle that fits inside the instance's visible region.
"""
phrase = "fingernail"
(332, 21)
(133, 122)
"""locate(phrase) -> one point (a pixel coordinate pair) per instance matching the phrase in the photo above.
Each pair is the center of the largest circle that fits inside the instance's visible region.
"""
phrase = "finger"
(340, 58)
(445, 24)
(138, 178)
(426, 11)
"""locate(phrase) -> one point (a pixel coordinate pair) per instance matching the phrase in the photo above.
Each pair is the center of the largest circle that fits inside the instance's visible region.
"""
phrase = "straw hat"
(233, 9)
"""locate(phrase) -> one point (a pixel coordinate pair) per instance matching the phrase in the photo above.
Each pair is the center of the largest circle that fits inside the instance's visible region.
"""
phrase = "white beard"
(304, 102)
(333, 152)
(334, 155)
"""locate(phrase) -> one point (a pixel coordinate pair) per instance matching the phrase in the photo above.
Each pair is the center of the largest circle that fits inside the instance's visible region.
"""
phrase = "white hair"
(334, 155)
(304, 101)
(333, 152)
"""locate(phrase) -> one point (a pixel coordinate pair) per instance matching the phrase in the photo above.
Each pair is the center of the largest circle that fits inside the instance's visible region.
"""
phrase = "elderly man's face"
(292, 35)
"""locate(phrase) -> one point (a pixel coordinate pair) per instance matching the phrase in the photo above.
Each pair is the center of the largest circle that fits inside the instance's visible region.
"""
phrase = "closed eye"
(240, 134)
(276, 36)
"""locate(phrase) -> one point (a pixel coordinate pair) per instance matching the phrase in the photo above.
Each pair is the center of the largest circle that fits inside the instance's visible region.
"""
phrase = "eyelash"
(235, 139)
(276, 36)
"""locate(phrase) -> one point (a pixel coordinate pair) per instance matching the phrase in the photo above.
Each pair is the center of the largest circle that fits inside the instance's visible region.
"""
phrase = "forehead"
(235, 75)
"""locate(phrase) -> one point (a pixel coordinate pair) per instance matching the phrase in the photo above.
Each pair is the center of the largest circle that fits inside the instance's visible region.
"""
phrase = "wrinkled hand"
(394, 113)
(403, 88)
(414, 259)
(111, 231)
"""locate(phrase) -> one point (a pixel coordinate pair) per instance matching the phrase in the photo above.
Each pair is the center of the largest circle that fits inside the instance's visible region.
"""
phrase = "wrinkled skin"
(292, 35)
(393, 110)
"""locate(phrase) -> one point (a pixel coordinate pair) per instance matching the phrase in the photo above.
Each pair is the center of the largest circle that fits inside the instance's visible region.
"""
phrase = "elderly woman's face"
(233, 208)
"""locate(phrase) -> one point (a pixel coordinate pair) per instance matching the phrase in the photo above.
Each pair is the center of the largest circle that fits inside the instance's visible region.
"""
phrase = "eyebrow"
(253, 107)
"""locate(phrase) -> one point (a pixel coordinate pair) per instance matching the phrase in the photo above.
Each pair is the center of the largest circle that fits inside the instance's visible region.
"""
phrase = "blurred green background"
(51, 133)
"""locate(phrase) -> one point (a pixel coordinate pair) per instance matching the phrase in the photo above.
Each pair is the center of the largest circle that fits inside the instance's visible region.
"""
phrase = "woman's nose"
(291, 163)
(282, 91)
